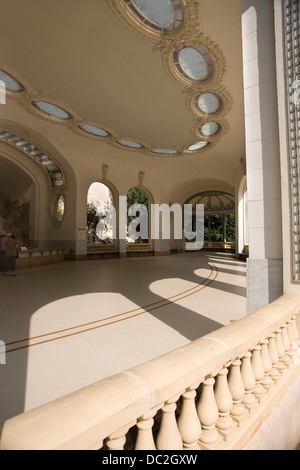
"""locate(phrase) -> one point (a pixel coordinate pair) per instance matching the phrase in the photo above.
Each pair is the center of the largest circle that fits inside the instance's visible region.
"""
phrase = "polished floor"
(70, 324)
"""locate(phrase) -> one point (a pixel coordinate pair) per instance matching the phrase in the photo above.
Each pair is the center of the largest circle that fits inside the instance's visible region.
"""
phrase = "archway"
(243, 243)
(219, 218)
(17, 202)
(138, 221)
(101, 219)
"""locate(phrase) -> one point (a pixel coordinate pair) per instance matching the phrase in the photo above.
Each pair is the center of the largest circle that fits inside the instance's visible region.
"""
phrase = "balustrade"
(214, 397)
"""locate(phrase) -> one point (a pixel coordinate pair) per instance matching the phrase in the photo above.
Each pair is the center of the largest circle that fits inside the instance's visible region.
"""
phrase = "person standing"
(2, 252)
(10, 254)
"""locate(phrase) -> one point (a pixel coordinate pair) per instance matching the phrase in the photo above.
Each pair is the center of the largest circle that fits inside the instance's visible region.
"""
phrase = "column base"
(264, 282)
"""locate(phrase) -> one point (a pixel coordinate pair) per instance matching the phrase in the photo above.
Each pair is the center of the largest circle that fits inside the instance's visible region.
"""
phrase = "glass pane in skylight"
(164, 151)
(94, 130)
(129, 143)
(193, 64)
(197, 145)
(209, 128)
(208, 103)
(159, 12)
(10, 83)
(52, 110)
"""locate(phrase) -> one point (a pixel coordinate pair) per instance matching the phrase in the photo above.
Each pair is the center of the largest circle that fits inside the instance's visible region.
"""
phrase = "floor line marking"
(167, 302)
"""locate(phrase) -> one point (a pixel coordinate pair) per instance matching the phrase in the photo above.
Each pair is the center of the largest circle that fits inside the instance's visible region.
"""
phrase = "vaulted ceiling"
(94, 60)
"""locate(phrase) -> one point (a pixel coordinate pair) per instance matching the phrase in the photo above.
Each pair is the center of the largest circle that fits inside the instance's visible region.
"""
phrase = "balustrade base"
(215, 446)
(239, 419)
(227, 433)
(247, 428)
(261, 395)
(251, 406)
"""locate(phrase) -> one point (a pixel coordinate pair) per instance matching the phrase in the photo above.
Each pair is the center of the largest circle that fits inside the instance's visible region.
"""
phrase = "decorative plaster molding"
(104, 171)
(141, 178)
(24, 143)
(188, 33)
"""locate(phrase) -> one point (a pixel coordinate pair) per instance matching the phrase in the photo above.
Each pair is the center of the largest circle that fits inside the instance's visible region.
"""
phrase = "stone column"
(264, 265)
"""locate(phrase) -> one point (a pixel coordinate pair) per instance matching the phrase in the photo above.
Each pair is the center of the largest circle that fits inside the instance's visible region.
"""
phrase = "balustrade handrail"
(221, 381)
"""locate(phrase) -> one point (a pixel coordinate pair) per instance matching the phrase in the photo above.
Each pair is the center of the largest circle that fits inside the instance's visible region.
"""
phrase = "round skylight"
(210, 128)
(198, 145)
(52, 110)
(130, 143)
(208, 103)
(94, 130)
(10, 83)
(158, 12)
(195, 63)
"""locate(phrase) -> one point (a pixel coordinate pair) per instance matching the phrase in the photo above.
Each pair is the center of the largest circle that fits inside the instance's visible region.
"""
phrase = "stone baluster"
(281, 351)
(293, 334)
(248, 379)
(290, 332)
(116, 441)
(208, 413)
(295, 329)
(237, 390)
(286, 344)
(188, 422)
(224, 402)
(145, 440)
(276, 365)
(285, 338)
(259, 373)
(266, 382)
(168, 437)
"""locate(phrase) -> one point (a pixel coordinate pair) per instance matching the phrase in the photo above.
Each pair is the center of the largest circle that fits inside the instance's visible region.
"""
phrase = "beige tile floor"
(71, 324)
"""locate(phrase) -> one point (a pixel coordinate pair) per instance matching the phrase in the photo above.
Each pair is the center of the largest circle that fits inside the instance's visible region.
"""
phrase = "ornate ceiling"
(111, 71)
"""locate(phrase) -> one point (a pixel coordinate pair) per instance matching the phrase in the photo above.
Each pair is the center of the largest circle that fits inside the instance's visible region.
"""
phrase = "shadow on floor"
(35, 288)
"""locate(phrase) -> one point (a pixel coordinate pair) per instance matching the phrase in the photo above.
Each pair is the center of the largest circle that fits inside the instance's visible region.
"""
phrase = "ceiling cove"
(190, 58)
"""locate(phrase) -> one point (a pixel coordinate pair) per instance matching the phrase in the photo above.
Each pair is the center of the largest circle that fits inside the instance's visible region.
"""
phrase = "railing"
(220, 245)
(210, 394)
(93, 248)
(39, 257)
(138, 247)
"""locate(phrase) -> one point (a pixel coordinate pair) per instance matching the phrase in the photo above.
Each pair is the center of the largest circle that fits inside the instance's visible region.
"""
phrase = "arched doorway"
(138, 221)
(17, 201)
(101, 219)
(243, 243)
(219, 219)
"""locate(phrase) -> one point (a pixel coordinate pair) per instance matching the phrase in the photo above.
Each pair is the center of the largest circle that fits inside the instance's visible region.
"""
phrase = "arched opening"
(17, 203)
(243, 247)
(138, 221)
(101, 219)
(219, 219)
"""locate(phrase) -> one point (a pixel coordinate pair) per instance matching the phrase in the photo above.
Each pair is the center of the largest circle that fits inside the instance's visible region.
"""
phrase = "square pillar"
(264, 265)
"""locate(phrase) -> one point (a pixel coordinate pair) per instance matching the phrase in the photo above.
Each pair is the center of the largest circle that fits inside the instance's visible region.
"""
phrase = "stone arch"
(219, 218)
(102, 226)
(46, 230)
(142, 244)
(21, 186)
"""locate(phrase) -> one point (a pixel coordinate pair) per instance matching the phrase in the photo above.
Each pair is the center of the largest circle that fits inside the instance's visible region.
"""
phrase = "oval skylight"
(210, 128)
(158, 12)
(52, 110)
(94, 130)
(129, 143)
(60, 208)
(193, 63)
(208, 103)
(198, 145)
(10, 82)
(168, 151)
